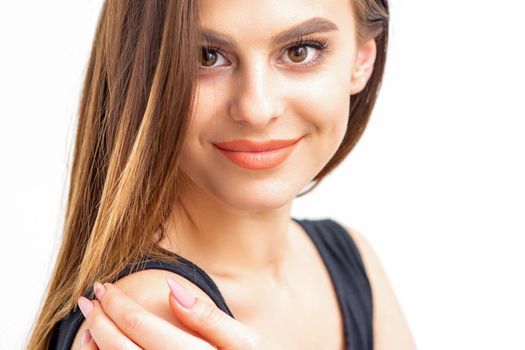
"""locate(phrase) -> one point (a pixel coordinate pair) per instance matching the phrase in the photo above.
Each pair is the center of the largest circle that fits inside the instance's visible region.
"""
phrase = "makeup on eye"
(299, 47)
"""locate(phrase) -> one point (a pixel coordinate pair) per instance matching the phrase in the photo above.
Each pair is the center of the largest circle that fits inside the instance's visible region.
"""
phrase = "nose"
(256, 99)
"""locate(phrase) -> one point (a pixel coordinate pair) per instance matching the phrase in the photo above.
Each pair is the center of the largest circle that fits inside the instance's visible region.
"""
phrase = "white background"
(436, 183)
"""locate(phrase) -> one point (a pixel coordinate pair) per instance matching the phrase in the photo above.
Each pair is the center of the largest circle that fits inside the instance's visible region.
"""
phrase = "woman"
(199, 124)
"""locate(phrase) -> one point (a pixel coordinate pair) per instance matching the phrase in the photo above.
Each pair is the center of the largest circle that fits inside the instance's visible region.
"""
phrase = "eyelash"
(318, 43)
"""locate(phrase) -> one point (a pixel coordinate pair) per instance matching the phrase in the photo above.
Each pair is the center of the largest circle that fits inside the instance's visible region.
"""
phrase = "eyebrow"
(310, 26)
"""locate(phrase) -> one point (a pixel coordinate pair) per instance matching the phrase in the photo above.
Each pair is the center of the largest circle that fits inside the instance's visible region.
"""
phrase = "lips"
(254, 146)
(255, 154)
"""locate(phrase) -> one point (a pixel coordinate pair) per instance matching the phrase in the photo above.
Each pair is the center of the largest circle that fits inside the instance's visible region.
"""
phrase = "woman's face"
(262, 87)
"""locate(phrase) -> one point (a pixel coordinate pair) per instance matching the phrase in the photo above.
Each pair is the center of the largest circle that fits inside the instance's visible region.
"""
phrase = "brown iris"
(298, 54)
(208, 57)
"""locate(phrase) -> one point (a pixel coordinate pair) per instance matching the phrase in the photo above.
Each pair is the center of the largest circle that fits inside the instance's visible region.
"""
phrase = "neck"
(227, 242)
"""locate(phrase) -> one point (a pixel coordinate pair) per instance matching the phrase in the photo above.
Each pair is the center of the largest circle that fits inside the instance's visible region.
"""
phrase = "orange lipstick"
(257, 155)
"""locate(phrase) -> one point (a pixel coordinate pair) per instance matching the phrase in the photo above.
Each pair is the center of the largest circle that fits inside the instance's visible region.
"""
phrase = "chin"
(264, 196)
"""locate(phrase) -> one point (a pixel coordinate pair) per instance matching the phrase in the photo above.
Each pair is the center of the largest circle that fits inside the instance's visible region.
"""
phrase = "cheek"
(324, 103)
(202, 119)
(206, 112)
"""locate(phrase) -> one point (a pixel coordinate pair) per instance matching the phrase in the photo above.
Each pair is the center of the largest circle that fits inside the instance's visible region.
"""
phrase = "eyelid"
(320, 41)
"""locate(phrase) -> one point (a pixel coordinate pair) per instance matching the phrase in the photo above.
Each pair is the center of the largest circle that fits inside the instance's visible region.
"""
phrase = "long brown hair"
(132, 119)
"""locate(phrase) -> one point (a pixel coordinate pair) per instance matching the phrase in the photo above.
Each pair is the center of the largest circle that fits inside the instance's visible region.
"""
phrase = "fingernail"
(85, 306)
(180, 293)
(86, 338)
(100, 290)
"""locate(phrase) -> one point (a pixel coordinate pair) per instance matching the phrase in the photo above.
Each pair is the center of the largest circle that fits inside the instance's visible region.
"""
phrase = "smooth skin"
(274, 282)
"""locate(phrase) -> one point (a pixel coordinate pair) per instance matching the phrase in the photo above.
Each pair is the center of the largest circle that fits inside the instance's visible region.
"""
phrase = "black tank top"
(336, 248)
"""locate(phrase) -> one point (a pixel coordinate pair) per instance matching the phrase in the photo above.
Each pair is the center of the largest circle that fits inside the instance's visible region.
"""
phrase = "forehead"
(250, 20)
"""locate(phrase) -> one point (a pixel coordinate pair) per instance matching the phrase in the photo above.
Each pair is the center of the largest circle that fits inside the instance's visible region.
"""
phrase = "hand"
(115, 321)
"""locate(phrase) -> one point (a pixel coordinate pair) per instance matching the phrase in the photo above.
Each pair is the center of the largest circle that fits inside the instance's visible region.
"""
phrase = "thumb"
(210, 322)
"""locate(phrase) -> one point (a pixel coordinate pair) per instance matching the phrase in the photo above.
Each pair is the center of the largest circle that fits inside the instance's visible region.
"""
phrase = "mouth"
(257, 155)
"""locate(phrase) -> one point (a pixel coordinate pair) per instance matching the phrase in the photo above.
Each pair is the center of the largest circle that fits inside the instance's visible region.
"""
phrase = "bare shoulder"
(150, 290)
(391, 330)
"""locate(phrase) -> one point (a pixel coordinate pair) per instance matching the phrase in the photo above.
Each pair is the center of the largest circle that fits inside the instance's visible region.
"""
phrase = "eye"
(298, 54)
(306, 50)
(209, 56)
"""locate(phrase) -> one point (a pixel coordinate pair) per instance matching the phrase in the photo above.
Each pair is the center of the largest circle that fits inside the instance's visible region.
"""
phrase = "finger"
(145, 328)
(87, 342)
(102, 330)
(209, 321)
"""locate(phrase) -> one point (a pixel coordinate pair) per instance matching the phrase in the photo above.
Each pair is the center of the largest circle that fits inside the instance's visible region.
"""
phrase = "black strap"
(348, 274)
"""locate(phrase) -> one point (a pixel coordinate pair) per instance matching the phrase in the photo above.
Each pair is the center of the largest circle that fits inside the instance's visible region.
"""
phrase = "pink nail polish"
(85, 306)
(180, 293)
(86, 338)
(100, 290)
